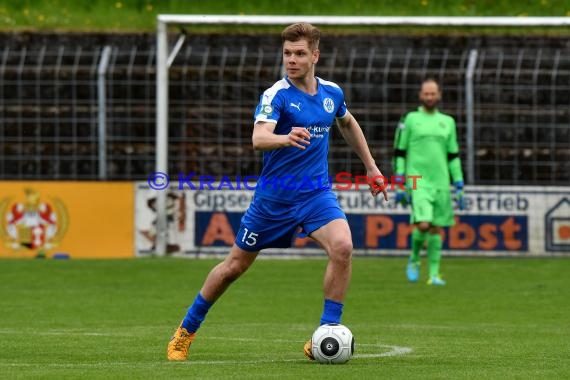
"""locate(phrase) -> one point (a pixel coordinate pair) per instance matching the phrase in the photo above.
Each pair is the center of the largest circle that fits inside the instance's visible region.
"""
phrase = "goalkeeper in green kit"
(426, 145)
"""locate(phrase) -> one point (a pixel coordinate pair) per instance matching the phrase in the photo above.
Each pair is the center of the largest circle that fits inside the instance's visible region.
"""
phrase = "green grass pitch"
(496, 319)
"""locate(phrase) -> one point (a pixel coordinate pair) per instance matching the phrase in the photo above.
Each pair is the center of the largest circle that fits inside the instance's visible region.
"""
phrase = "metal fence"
(56, 122)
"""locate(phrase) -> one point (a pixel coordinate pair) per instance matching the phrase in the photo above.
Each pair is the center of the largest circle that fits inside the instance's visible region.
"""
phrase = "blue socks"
(196, 314)
(332, 312)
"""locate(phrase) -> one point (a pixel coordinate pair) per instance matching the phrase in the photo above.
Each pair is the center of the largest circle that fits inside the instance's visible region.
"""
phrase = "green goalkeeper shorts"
(432, 205)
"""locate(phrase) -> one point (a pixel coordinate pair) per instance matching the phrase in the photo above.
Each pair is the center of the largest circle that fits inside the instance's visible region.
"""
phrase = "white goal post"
(165, 57)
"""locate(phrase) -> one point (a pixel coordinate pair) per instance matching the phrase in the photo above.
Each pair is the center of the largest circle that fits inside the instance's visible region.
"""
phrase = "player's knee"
(424, 226)
(435, 230)
(342, 251)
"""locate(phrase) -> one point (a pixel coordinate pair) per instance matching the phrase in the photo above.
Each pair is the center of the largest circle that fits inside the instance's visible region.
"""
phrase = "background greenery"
(140, 15)
(112, 319)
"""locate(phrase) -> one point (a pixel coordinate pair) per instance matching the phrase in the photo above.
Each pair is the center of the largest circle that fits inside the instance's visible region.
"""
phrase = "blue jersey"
(293, 174)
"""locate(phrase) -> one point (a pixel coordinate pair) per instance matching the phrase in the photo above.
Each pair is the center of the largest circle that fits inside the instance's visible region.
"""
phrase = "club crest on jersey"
(328, 105)
(266, 109)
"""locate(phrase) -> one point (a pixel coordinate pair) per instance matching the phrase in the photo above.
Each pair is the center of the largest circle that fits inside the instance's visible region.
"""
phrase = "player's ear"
(316, 55)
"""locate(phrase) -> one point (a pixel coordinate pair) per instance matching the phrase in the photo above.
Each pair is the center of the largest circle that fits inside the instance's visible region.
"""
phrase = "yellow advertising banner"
(66, 219)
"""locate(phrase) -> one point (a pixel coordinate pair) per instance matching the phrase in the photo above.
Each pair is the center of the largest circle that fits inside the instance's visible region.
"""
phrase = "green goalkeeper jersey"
(426, 145)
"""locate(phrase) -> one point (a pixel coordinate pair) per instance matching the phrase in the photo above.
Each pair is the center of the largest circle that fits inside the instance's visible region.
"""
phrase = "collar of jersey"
(422, 110)
(303, 92)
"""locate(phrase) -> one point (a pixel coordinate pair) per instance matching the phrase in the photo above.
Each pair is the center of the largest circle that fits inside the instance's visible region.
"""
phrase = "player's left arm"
(353, 135)
(453, 159)
(454, 163)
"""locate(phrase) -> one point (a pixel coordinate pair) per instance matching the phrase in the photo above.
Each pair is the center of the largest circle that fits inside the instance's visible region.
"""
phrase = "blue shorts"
(270, 224)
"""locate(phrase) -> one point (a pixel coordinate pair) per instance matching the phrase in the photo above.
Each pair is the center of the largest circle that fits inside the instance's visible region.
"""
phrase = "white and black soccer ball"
(332, 344)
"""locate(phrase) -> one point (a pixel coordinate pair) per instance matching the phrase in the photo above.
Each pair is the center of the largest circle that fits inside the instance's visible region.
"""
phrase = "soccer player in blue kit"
(291, 127)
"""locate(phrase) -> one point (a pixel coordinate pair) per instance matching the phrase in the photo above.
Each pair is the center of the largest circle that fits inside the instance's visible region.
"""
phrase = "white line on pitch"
(394, 350)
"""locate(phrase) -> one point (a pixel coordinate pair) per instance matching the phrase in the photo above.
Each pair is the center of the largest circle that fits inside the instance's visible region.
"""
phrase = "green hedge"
(140, 15)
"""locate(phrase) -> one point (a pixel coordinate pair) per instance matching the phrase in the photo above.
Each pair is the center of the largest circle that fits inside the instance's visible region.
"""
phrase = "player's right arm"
(264, 137)
(401, 139)
(266, 116)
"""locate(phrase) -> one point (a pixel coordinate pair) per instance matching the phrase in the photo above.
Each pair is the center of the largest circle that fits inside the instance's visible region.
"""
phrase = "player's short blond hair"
(302, 31)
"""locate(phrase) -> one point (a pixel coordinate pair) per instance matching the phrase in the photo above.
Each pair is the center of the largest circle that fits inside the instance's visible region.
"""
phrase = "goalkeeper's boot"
(308, 349)
(180, 344)
(413, 271)
(436, 280)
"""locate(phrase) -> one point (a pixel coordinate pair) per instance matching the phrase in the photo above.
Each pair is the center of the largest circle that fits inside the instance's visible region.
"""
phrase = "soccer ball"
(332, 344)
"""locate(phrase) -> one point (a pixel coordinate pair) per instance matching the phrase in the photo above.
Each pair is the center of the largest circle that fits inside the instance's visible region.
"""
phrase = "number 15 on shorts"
(249, 238)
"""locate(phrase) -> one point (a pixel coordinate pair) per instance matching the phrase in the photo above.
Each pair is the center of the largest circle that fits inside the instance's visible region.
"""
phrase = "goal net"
(206, 93)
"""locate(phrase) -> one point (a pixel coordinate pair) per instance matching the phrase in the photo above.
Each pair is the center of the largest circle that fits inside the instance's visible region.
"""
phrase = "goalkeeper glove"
(402, 196)
(458, 195)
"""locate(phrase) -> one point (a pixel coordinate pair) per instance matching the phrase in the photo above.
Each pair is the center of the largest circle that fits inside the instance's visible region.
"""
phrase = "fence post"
(472, 62)
(102, 103)
(161, 133)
